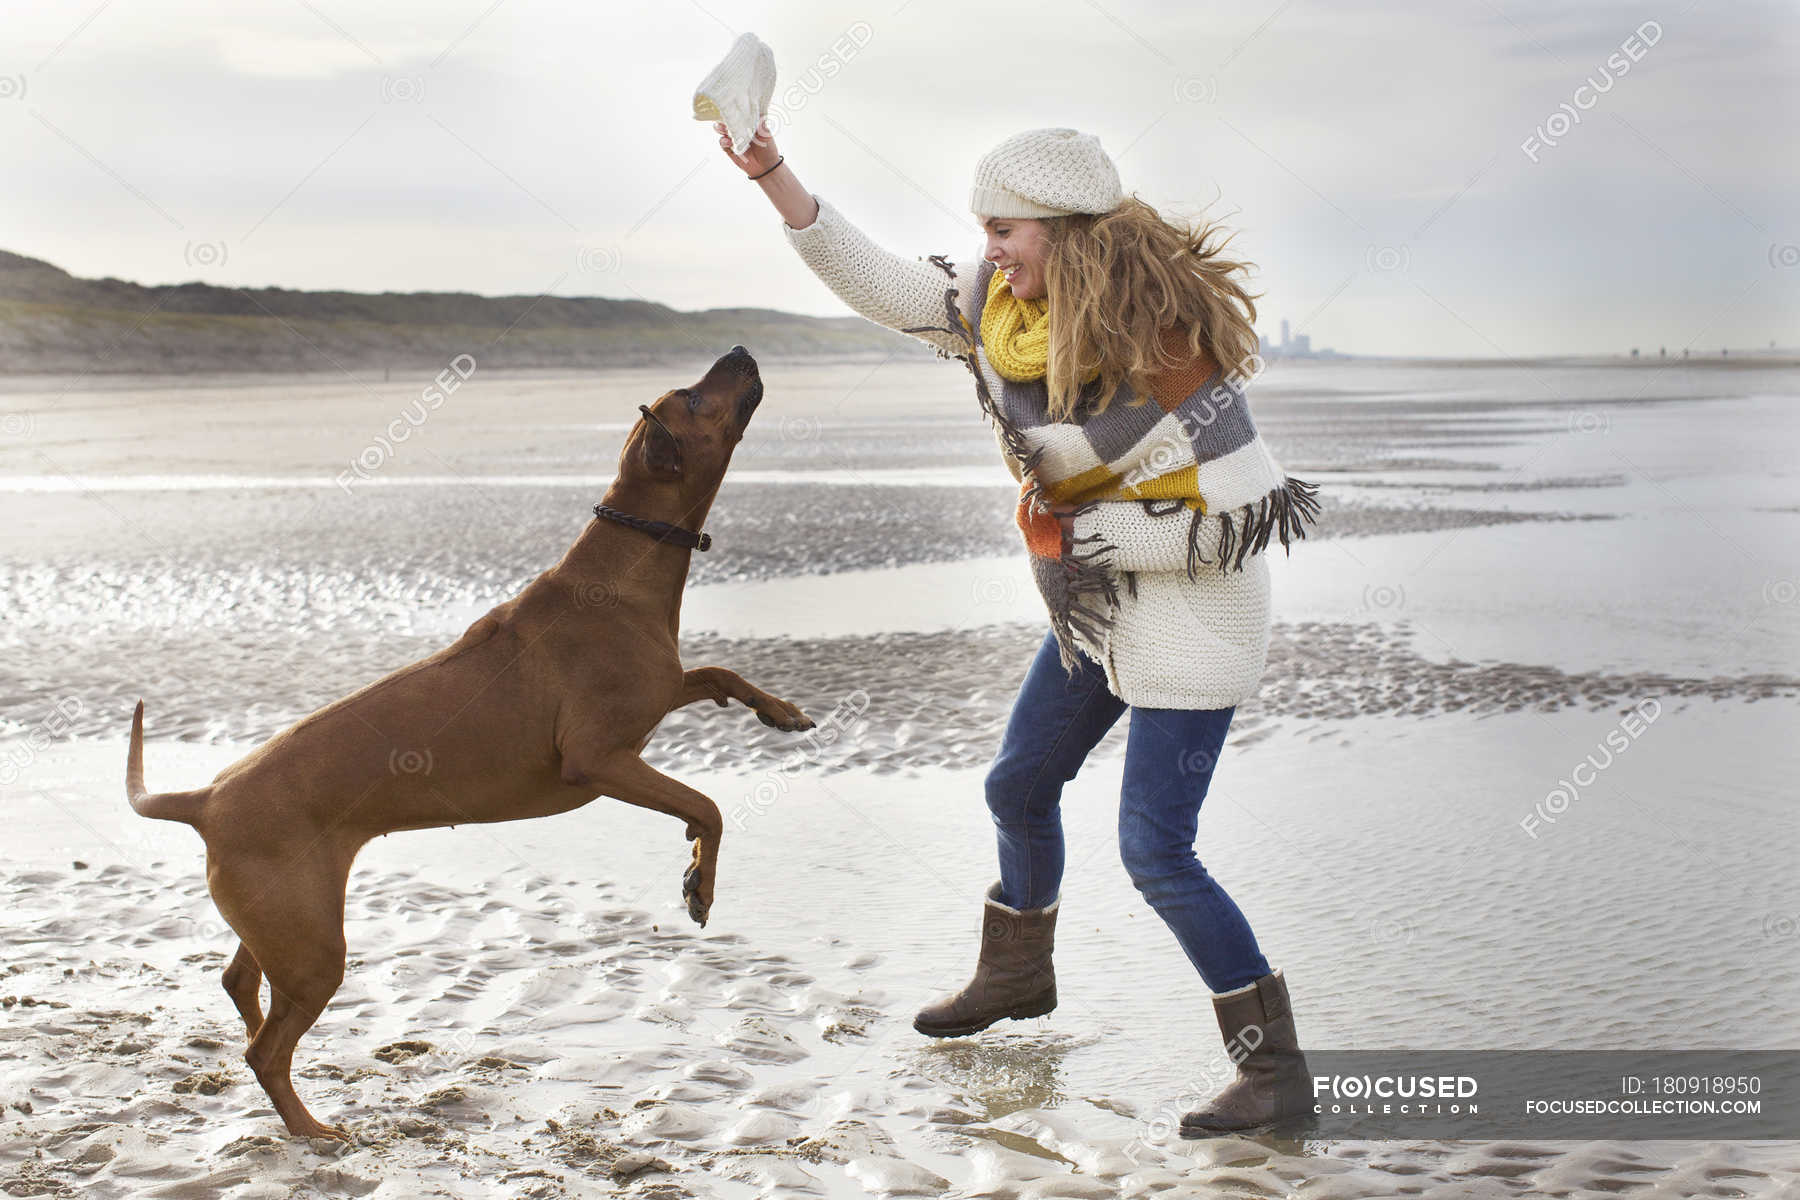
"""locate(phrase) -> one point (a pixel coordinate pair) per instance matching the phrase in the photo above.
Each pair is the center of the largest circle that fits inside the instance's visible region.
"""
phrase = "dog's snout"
(737, 371)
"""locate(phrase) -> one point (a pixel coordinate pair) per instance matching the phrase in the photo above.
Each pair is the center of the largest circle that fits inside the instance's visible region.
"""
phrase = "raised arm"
(905, 294)
(901, 293)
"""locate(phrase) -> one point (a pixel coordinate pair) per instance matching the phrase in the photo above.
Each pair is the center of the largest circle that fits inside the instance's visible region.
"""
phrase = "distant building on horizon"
(1296, 346)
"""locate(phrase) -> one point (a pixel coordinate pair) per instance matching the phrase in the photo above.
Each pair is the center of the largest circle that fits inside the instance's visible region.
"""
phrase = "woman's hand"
(759, 156)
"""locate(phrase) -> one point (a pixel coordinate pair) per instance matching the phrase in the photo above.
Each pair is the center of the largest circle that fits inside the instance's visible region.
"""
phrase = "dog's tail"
(164, 806)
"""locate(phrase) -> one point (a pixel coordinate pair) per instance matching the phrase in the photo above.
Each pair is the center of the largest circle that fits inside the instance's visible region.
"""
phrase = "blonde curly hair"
(1131, 292)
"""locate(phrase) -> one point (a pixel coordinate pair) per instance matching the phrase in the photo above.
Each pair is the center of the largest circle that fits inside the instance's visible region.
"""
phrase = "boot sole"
(1036, 1008)
(1296, 1123)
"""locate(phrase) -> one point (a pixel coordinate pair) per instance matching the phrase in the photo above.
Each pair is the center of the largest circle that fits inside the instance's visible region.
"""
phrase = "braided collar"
(662, 531)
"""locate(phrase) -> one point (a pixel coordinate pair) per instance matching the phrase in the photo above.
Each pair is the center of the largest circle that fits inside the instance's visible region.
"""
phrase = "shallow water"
(1510, 560)
(272, 573)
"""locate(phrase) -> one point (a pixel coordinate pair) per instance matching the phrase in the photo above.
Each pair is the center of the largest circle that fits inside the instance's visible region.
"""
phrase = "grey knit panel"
(1121, 426)
(1026, 404)
(1216, 418)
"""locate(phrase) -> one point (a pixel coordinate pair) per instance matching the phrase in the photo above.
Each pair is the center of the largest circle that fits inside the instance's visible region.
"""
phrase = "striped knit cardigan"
(1132, 594)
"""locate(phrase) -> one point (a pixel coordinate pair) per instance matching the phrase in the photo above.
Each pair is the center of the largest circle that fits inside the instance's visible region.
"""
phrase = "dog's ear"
(660, 452)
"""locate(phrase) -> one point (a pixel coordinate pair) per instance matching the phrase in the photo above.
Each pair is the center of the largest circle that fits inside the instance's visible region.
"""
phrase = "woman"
(1094, 330)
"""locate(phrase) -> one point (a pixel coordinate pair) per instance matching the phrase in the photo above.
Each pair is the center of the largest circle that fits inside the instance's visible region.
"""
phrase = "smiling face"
(1018, 245)
(690, 432)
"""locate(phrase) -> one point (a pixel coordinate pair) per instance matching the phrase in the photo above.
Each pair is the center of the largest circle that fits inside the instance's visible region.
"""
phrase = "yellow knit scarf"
(1016, 333)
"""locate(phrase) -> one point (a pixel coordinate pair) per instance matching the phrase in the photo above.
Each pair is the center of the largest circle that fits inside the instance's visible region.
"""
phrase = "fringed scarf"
(1191, 448)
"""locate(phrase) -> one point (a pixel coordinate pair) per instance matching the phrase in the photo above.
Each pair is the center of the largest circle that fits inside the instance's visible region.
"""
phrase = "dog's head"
(686, 436)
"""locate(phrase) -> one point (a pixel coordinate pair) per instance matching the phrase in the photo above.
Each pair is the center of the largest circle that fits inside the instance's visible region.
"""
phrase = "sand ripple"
(658, 1061)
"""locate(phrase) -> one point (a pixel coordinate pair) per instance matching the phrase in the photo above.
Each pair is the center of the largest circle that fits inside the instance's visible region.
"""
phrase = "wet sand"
(1509, 560)
(931, 699)
(528, 1012)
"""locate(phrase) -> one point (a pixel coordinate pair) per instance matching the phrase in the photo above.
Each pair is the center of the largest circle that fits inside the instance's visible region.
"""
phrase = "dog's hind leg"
(291, 917)
(271, 1056)
(243, 983)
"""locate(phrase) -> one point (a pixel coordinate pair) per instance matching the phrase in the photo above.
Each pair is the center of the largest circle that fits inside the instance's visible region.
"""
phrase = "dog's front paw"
(779, 714)
(690, 892)
(693, 890)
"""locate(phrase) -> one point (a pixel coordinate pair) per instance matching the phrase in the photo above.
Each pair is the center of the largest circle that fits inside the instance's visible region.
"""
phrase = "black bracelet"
(778, 162)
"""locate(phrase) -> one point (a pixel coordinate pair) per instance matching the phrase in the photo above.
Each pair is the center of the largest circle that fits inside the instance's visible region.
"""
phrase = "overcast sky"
(1394, 170)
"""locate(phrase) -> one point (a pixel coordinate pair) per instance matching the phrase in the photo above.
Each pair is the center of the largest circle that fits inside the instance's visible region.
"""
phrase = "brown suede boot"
(1272, 1087)
(1013, 977)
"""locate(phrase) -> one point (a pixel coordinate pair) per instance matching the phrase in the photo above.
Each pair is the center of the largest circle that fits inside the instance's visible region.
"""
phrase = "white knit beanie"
(1045, 173)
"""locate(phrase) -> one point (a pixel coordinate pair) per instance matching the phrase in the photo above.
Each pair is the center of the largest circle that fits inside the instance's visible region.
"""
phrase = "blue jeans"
(1056, 719)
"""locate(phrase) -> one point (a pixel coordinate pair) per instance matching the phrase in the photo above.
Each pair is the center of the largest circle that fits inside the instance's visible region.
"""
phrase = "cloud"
(480, 147)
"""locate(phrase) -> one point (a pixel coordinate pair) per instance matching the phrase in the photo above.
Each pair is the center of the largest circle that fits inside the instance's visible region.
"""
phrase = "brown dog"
(544, 704)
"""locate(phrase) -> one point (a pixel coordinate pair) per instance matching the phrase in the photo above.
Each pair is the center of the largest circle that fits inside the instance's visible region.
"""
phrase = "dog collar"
(662, 531)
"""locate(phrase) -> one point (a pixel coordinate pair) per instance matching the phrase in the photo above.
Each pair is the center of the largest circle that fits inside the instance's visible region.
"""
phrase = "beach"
(1513, 562)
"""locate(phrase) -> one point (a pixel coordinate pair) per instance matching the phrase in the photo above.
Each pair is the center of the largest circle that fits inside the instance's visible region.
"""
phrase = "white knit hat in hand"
(738, 90)
(1045, 173)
